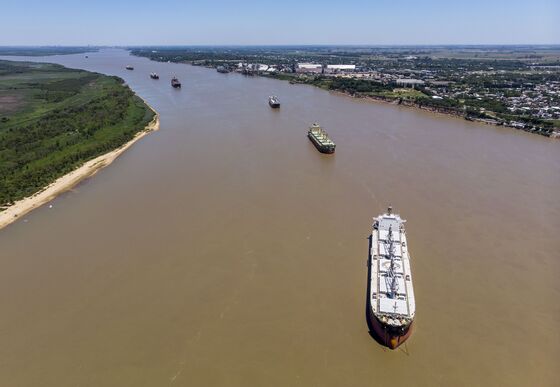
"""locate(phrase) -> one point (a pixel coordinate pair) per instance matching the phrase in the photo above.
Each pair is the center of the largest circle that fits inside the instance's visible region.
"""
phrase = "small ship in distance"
(129, 67)
(320, 139)
(274, 102)
(154, 76)
(391, 305)
(175, 82)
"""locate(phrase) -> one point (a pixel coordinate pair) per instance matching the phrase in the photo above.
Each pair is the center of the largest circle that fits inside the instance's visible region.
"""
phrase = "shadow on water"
(371, 331)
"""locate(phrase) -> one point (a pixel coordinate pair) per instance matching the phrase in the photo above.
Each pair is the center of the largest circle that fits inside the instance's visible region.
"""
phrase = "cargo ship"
(274, 102)
(129, 67)
(390, 306)
(154, 76)
(320, 139)
(175, 82)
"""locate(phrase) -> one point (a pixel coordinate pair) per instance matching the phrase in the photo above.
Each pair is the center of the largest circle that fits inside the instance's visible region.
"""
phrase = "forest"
(53, 119)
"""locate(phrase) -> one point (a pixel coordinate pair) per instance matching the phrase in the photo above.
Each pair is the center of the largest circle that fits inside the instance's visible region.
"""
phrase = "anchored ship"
(175, 82)
(154, 76)
(222, 69)
(320, 139)
(274, 102)
(391, 306)
(129, 67)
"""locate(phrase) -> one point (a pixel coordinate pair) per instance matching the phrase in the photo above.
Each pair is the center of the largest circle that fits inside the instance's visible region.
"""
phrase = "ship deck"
(322, 139)
(397, 301)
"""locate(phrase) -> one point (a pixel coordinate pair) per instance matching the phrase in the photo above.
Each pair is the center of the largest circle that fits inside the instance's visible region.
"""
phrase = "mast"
(392, 277)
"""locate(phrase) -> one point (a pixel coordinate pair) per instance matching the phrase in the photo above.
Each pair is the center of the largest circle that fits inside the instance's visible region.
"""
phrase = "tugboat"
(390, 306)
(129, 67)
(320, 139)
(154, 76)
(175, 82)
(273, 102)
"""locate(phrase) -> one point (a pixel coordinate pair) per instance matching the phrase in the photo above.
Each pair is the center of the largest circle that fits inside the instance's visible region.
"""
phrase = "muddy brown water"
(224, 250)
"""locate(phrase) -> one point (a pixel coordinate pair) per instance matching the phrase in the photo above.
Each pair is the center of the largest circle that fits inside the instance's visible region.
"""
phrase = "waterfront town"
(517, 87)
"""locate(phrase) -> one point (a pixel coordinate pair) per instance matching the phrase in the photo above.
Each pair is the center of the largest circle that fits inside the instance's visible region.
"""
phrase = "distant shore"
(64, 183)
(555, 133)
(424, 107)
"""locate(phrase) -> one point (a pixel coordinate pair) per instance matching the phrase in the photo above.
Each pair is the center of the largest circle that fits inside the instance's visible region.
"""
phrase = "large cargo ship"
(391, 306)
(175, 82)
(274, 102)
(320, 139)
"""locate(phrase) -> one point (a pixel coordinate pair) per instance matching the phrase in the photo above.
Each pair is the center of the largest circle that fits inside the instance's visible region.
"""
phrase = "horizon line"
(288, 45)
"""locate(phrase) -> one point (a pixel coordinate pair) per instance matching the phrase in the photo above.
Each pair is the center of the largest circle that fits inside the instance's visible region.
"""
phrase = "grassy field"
(406, 93)
(43, 51)
(53, 119)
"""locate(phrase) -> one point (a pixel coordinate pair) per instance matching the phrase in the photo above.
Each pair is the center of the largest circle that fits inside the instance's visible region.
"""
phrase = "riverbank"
(425, 103)
(55, 120)
(448, 112)
(511, 94)
(21, 207)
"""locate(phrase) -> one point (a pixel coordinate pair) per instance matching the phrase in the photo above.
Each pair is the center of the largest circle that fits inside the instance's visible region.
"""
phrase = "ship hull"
(320, 147)
(384, 334)
(274, 105)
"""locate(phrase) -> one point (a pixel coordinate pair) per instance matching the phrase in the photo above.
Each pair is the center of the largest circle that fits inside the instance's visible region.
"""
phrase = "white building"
(340, 67)
(309, 68)
(407, 82)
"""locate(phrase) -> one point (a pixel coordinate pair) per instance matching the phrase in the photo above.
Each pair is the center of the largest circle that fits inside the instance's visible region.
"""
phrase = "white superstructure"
(391, 292)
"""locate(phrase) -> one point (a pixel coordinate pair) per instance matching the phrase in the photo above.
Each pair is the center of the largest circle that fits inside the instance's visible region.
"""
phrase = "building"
(340, 68)
(309, 68)
(409, 82)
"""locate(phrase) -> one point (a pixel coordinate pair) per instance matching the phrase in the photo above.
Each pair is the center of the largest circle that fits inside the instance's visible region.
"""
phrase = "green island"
(45, 50)
(54, 119)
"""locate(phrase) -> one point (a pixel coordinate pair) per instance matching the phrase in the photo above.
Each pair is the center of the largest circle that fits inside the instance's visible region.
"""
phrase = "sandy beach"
(70, 180)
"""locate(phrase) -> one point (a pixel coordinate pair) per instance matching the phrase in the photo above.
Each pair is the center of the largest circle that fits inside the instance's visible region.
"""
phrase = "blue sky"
(223, 22)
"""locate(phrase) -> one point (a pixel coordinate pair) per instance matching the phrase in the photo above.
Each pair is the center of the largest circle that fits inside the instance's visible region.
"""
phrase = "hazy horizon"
(348, 45)
(252, 23)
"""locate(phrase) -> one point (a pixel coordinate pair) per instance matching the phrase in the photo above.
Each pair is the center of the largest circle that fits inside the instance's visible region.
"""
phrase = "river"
(224, 250)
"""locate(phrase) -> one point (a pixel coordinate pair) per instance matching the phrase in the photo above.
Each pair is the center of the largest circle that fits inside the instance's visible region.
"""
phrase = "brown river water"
(224, 250)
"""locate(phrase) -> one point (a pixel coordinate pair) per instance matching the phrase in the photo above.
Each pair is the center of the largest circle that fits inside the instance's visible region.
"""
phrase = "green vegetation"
(404, 93)
(44, 51)
(53, 119)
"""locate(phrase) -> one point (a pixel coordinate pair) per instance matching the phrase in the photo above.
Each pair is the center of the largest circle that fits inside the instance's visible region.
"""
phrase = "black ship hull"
(321, 147)
(274, 105)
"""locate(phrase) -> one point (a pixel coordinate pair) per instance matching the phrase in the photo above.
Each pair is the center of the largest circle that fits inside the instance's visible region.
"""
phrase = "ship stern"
(390, 337)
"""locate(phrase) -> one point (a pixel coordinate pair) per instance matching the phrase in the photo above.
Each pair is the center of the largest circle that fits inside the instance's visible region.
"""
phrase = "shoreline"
(66, 182)
(555, 134)
(426, 108)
